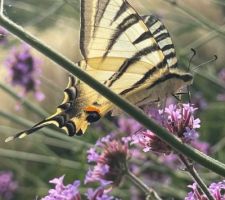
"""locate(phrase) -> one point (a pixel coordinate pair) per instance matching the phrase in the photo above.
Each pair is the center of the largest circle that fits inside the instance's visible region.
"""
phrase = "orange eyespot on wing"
(91, 109)
(93, 114)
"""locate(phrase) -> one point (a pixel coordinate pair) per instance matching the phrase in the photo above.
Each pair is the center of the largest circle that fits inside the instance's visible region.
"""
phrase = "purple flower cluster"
(178, 120)
(110, 163)
(71, 191)
(24, 71)
(3, 36)
(99, 194)
(63, 192)
(216, 189)
(7, 185)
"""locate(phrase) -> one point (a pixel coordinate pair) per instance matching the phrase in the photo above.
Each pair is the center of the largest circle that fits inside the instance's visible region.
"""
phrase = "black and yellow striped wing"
(118, 47)
(163, 39)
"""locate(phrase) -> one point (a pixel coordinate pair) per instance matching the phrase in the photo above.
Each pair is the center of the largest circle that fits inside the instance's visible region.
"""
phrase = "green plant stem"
(51, 141)
(200, 41)
(136, 113)
(40, 158)
(191, 169)
(34, 178)
(44, 15)
(198, 17)
(218, 2)
(32, 107)
(150, 193)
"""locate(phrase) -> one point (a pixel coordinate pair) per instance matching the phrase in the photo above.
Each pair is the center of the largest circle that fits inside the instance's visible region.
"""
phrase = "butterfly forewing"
(116, 42)
(162, 37)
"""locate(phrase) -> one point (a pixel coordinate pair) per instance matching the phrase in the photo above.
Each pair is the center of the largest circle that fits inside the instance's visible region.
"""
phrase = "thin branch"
(190, 168)
(40, 158)
(149, 192)
(31, 106)
(198, 17)
(44, 15)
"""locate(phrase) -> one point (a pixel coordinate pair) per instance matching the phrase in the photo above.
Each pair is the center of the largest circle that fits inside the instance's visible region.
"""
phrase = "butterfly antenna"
(215, 57)
(191, 58)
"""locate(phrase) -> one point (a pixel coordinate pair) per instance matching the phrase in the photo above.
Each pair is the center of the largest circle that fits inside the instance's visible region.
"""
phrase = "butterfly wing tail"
(65, 116)
(24, 133)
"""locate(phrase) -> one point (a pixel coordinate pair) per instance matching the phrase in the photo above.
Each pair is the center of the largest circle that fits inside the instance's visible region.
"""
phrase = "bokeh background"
(35, 160)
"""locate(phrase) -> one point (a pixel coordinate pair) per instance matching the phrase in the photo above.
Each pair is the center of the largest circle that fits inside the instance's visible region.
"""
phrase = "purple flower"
(178, 120)
(216, 189)
(104, 140)
(128, 125)
(24, 71)
(150, 142)
(190, 135)
(92, 155)
(98, 174)
(63, 192)
(110, 164)
(171, 161)
(7, 185)
(99, 194)
(201, 146)
(3, 36)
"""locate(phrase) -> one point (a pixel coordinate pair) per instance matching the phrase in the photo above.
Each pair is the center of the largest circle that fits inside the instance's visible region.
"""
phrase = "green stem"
(40, 158)
(198, 18)
(190, 168)
(200, 41)
(32, 107)
(150, 193)
(136, 113)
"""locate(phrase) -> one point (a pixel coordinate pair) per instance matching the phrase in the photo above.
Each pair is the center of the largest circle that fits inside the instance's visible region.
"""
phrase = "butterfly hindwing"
(65, 116)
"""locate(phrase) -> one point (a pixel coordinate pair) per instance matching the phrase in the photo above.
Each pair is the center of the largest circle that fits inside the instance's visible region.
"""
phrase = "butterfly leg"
(178, 95)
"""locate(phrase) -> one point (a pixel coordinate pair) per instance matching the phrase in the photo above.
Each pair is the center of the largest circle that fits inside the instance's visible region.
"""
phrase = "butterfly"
(132, 55)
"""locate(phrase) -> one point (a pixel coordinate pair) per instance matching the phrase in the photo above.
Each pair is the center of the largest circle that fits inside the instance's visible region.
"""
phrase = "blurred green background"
(37, 159)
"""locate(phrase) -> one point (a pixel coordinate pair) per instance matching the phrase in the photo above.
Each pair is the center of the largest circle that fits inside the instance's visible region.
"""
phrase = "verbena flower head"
(63, 192)
(110, 163)
(216, 189)
(24, 71)
(178, 120)
(3, 36)
(7, 185)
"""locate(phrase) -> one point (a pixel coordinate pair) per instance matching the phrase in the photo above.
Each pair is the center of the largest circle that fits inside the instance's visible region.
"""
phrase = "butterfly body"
(132, 55)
